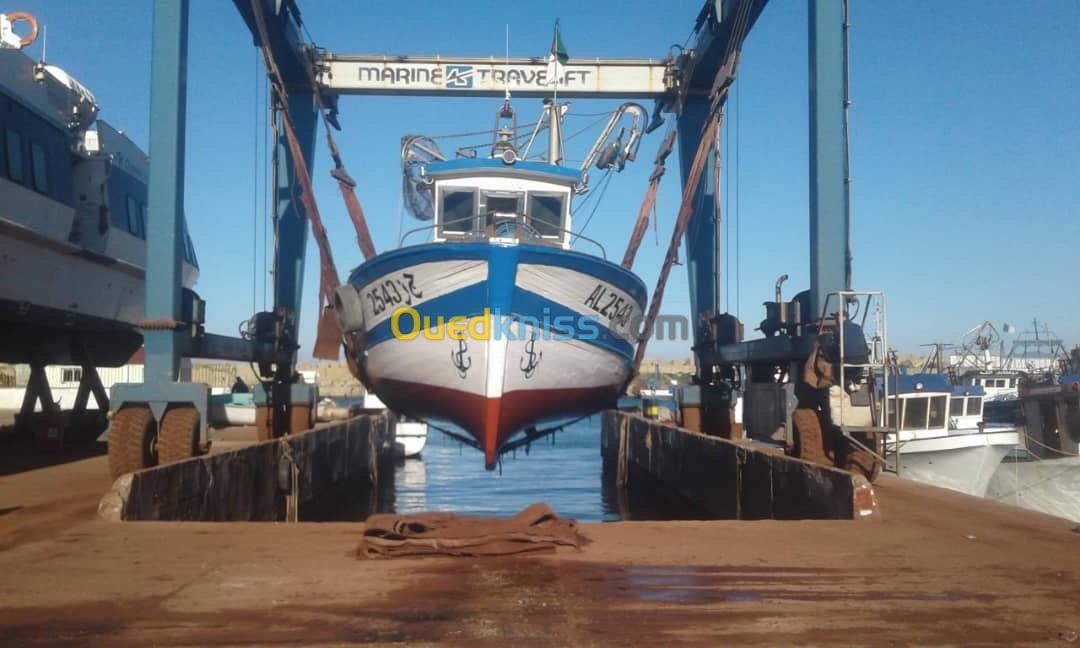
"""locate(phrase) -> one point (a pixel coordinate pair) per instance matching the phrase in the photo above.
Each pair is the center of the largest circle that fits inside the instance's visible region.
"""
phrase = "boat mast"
(554, 133)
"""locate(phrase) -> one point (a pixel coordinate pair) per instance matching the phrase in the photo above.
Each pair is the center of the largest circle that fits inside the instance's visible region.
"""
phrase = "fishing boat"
(498, 322)
(942, 438)
(1043, 472)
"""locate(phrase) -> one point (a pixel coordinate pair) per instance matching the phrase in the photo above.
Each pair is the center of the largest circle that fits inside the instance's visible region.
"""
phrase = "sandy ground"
(934, 567)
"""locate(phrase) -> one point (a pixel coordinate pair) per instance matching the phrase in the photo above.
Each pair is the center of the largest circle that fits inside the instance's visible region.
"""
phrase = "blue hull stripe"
(499, 292)
(400, 258)
(471, 300)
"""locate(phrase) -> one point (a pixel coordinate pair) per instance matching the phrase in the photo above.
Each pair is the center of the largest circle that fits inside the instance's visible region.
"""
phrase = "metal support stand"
(37, 389)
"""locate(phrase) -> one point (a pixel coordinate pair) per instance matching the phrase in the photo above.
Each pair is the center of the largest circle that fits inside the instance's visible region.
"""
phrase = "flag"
(558, 50)
(556, 57)
(1008, 328)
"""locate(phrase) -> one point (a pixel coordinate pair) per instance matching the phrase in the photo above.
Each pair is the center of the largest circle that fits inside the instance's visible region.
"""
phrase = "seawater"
(563, 470)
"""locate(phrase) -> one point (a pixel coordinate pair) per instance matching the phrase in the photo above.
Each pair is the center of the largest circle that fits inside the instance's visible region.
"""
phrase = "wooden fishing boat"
(498, 323)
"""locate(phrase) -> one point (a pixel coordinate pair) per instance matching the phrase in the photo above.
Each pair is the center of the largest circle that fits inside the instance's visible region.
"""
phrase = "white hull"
(55, 278)
(519, 354)
(409, 439)
(960, 462)
(1050, 486)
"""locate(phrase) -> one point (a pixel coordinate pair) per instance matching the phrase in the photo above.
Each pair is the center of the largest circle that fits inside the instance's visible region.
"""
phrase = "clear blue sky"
(965, 141)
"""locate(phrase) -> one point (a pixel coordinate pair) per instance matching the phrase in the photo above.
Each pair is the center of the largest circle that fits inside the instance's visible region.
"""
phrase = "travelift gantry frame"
(692, 85)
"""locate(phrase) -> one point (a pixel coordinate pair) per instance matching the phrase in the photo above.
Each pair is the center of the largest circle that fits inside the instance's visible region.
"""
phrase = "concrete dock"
(931, 566)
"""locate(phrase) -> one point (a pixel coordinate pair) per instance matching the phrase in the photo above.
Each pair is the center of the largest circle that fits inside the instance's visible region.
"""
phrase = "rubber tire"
(132, 440)
(809, 441)
(178, 438)
(860, 461)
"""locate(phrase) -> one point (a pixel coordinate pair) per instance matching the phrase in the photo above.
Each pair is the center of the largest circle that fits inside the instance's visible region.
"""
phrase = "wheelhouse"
(491, 199)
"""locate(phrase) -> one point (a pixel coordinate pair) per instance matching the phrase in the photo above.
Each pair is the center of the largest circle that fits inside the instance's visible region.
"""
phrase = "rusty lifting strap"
(649, 202)
(328, 336)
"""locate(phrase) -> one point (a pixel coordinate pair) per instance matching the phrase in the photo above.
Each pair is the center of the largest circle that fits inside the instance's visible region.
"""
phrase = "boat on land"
(73, 194)
(498, 322)
(1043, 473)
(942, 438)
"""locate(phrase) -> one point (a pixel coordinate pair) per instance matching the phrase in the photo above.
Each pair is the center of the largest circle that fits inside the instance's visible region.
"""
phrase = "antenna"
(44, 40)
(506, 72)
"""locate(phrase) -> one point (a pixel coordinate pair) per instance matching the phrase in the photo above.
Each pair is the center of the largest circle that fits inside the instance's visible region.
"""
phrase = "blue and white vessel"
(498, 321)
(942, 438)
(73, 193)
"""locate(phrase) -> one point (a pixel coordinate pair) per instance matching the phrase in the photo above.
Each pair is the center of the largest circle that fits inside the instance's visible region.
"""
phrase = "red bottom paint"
(492, 421)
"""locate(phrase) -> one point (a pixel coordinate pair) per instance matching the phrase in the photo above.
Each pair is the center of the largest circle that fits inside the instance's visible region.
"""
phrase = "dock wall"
(727, 479)
(269, 481)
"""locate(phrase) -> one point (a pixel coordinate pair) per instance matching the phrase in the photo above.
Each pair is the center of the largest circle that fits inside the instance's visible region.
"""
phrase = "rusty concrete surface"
(933, 567)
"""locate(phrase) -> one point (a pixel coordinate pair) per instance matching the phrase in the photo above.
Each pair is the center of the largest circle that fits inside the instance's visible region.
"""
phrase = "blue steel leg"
(165, 203)
(291, 223)
(165, 207)
(829, 250)
(702, 233)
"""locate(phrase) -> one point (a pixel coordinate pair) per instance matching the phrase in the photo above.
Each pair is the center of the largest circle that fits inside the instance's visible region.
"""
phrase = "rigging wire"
(738, 215)
(255, 190)
(604, 182)
(727, 221)
(263, 96)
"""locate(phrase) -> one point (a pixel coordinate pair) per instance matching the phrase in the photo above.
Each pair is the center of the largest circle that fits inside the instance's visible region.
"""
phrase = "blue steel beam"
(702, 232)
(830, 254)
(720, 28)
(291, 217)
(165, 202)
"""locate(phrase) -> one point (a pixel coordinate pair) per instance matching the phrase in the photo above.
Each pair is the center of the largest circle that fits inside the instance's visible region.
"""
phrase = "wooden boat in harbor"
(497, 323)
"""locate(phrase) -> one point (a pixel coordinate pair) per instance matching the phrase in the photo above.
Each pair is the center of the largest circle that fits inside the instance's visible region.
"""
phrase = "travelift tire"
(179, 435)
(861, 461)
(132, 440)
(809, 440)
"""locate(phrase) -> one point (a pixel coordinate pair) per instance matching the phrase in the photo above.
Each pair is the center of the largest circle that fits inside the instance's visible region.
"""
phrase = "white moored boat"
(943, 440)
(497, 323)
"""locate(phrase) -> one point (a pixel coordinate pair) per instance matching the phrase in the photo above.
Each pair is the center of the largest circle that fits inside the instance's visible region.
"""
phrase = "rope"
(292, 500)
(1064, 453)
(255, 194)
(604, 182)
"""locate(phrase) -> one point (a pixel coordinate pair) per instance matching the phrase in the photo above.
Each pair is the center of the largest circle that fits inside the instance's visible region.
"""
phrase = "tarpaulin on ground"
(536, 528)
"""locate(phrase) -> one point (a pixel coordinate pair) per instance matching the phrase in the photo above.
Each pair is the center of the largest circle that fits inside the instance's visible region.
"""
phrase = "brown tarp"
(536, 528)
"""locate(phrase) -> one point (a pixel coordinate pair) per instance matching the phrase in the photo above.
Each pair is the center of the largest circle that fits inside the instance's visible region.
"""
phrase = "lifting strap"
(686, 210)
(328, 337)
(346, 184)
(649, 203)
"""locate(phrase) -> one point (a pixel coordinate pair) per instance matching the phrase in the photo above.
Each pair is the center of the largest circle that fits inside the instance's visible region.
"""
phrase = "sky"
(965, 144)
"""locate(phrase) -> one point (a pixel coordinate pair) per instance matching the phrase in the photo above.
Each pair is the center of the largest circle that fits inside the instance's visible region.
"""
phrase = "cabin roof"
(543, 171)
(920, 383)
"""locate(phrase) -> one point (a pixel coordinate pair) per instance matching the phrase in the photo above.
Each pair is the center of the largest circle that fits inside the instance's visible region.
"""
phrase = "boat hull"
(527, 333)
(960, 462)
(1051, 486)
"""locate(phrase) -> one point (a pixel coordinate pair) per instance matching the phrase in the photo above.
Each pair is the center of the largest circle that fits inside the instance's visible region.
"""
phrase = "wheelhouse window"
(956, 406)
(457, 213)
(546, 214)
(938, 405)
(13, 153)
(133, 216)
(501, 212)
(915, 410)
(974, 406)
(39, 164)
